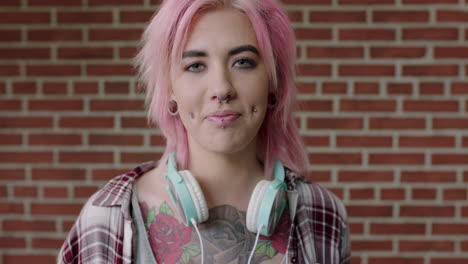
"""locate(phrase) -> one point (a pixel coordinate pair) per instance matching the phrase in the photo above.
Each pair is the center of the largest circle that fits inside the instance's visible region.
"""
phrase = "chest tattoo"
(225, 236)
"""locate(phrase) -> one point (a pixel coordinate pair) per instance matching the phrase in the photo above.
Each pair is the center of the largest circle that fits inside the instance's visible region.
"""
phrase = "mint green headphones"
(265, 208)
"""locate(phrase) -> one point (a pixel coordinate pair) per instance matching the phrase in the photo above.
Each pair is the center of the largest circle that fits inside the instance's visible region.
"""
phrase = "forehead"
(221, 29)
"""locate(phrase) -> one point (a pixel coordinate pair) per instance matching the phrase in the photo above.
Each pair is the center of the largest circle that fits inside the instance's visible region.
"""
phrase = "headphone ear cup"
(198, 198)
(254, 205)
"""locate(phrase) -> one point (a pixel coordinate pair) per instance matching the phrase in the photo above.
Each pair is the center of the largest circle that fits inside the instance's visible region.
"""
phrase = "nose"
(222, 88)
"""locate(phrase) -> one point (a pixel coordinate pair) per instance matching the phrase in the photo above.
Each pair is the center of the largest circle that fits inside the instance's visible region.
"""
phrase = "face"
(221, 61)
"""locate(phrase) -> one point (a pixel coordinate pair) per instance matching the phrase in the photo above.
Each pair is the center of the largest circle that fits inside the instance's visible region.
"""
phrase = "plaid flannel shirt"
(104, 230)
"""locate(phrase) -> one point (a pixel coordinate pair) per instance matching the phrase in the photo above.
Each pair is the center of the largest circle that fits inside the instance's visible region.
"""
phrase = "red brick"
(314, 70)
(25, 191)
(117, 105)
(84, 191)
(87, 122)
(366, 2)
(392, 194)
(366, 88)
(371, 245)
(449, 159)
(3, 191)
(334, 52)
(427, 211)
(47, 243)
(10, 3)
(55, 105)
(313, 33)
(366, 70)
(24, 53)
(54, 139)
(316, 105)
(448, 260)
(24, 258)
(86, 88)
(116, 87)
(455, 194)
(128, 52)
(334, 123)
(134, 122)
(427, 141)
(25, 122)
(12, 242)
(55, 35)
(396, 123)
(159, 140)
(135, 16)
(430, 33)
(430, 70)
(11, 208)
(452, 16)
(397, 52)
(86, 157)
(54, 88)
(335, 158)
(450, 229)
(10, 35)
(424, 2)
(24, 17)
(455, 52)
(423, 194)
(28, 157)
(392, 260)
(400, 16)
(370, 210)
(450, 123)
(54, 3)
(366, 34)
(53, 70)
(24, 87)
(109, 70)
(10, 105)
(85, 53)
(459, 88)
(465, 141)
(362, 194)
(115, 2)
(426, 245)
(363, 141)
(107, 174)
(55, 192)
(84, 17)
(391, 229)
(431, 88)
(399, 89)
(9, 70)
(337, 16)
(353, 105)
(133, 157)
(115, 140)
(55, 209)
(12, 174)
(396, 158)
(334, 88)
(318, 176)
(114, 34)
(428, 176)
(365, 176)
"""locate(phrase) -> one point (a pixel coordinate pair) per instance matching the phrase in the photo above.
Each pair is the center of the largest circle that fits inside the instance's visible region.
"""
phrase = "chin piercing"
(222, 127)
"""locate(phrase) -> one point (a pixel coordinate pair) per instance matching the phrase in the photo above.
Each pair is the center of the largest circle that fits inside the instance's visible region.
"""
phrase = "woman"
(219, 77)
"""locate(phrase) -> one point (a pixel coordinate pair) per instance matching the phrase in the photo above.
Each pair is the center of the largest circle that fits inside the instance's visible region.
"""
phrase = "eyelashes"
(242, 63)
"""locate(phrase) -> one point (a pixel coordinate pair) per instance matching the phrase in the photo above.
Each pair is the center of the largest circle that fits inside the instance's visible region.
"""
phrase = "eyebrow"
(233, 51)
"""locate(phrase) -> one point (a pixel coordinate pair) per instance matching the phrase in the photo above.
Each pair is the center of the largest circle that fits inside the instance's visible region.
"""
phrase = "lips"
(223, 118)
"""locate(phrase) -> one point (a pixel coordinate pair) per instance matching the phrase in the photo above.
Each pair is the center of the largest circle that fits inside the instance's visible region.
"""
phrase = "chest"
(225, 237)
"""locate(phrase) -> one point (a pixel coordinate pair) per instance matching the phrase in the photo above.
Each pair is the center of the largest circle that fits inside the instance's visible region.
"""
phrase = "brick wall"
(384, 89)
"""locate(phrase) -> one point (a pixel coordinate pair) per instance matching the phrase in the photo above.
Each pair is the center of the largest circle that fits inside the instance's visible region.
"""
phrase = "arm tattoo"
(225, 237)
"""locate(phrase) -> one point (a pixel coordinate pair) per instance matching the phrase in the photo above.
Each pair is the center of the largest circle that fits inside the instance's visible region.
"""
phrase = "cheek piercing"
(254, 109)
(191, 115)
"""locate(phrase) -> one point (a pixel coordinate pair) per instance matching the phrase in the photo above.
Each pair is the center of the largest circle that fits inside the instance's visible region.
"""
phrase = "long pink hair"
(163, 43)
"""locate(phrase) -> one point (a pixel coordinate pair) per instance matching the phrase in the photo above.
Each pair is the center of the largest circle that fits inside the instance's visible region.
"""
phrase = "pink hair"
(163, 43)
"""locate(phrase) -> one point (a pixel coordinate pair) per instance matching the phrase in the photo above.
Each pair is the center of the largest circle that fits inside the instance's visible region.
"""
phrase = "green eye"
(195, 67)
(245, 63)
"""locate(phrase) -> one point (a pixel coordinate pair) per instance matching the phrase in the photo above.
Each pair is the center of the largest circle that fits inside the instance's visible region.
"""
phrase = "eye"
(245, 63)
(195, 67)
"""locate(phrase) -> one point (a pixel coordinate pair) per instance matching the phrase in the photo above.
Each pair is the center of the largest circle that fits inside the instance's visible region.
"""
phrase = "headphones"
(265, 208)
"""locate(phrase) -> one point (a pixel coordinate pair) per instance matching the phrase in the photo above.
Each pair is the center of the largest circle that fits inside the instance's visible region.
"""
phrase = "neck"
(226, 178)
